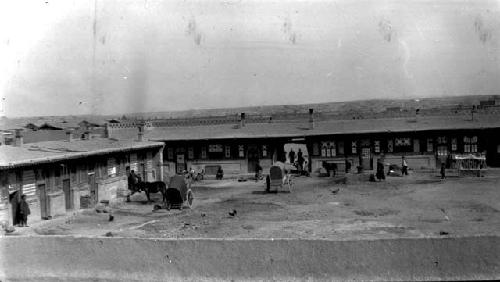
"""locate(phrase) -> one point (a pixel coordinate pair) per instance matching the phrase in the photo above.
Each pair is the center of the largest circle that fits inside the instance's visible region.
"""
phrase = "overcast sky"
(109, 57)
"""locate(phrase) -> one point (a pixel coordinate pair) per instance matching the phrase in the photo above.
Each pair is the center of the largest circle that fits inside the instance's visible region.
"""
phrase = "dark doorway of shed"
(44, 209)
(93, 189)
(14, 199)
(253, 158)
(67, 194)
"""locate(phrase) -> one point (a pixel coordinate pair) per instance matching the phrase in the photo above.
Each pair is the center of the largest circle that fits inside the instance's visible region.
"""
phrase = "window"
(190, 153)
(376, 146)
(203, 152)
(430, 147)
(441, 140)
(328, 149)
(73, 173)
(82, 171)
(170, 153)
(215, 148)
(241, 151)
(454, 144)
(470, 144)
(390, 146)
(264, 151)
(324, 149)
(332, 149)
(111, 167)
(227, 151)
(316, 149)
(416, 146)
(354, 147)
(402, 142)
(442, 150)
(341, 147)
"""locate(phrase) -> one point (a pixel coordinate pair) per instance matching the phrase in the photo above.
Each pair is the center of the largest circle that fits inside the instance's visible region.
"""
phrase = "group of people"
(300, 162)
(380, 168)
(20, 210)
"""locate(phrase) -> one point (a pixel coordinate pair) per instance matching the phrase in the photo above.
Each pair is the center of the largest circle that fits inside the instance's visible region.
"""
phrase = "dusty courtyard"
(420, 205)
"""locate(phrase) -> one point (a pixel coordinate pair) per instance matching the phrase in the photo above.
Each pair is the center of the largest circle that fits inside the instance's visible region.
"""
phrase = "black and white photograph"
(249, 140)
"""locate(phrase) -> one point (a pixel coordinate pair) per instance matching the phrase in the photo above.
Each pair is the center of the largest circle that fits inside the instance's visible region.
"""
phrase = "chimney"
(311, 119)
(140, 134)
(106, 130)
(69, 135)
(18, 141)
(86, 135)
(242, 120)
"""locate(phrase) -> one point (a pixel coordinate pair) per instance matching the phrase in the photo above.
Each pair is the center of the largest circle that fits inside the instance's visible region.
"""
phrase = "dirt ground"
(418, 205)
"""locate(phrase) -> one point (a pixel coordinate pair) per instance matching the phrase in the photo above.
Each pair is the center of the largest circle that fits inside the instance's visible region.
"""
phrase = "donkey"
(150, 187)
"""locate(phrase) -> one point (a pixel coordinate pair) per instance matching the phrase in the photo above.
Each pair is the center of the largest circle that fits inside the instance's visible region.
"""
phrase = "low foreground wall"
(64, 258)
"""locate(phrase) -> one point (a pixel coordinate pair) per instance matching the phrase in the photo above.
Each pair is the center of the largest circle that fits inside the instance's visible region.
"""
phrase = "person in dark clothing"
(380, 170)
(404, 166)
(258, 172)
(24, 211)
(291, 156)
(443, 171)
(347, 166)
(220, 174)
(300, 160)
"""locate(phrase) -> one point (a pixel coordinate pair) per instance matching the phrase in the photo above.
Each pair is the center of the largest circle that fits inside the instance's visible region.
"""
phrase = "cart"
(279, 178)
(179, 193)
(470, 164)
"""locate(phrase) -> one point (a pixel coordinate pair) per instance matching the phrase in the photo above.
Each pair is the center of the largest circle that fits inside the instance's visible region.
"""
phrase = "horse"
(150, 187)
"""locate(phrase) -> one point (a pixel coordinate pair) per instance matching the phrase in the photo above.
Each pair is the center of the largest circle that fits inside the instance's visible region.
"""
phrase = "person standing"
(404, 169)
(291, 156)
(380, 169)
(24, 210)
(300, 160)
(443, 171)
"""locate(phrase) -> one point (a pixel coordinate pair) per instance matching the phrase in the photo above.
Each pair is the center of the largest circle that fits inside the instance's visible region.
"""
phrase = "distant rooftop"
(51, 151)
(300, 129)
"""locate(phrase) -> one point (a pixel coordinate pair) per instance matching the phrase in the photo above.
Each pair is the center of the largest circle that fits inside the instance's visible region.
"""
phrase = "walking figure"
(380, 170)
(24, 211)
(291, 155)
(443, 171)
(404, 169)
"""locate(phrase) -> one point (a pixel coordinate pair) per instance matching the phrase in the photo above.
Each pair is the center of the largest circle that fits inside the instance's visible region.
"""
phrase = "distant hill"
(362, 106)
(351, 108)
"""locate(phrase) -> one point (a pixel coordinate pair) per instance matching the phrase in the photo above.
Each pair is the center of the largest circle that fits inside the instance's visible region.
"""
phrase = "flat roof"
(51, 151)
(278, 129)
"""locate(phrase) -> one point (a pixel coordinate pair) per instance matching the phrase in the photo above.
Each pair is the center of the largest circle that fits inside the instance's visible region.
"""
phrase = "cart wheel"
(190, 198)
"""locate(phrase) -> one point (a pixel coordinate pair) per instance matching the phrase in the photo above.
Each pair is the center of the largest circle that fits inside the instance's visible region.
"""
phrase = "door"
(143, 172)
(181, 164)
(366, 158)
(44, 207)
(67, 194)
(253, 158)
(416, 146)
(93, 189)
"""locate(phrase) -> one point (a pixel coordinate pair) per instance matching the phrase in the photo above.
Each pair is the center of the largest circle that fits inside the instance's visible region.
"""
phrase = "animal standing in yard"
(148, 188)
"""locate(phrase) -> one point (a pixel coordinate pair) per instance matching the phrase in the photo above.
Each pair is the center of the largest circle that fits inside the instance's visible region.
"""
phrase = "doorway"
(44, 208)
(253, 158)
(67, 194)
(93, 189)
(299, 153)
(366, 158)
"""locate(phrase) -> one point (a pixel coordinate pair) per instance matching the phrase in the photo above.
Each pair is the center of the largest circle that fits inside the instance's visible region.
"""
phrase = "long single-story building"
(63, 176)
(426, 142)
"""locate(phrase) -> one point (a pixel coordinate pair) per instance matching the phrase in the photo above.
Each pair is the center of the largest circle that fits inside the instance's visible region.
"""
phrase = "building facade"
(63, 176)
(425, 141)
